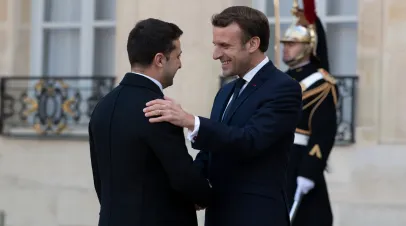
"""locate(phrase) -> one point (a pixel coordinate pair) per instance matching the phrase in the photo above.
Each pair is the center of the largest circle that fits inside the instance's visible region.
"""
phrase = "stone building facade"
(47, 182)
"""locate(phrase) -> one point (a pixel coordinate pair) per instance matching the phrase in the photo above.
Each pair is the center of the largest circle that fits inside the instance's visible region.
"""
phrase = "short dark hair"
(251, 21)
(149, 37)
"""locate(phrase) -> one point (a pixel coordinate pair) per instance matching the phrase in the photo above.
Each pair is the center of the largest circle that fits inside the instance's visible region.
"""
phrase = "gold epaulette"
(330, 79)
(322, 90)
(327, 76)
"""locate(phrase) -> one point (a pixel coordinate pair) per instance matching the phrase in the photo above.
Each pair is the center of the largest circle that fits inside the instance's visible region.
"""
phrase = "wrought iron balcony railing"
(346, 108)
(49, 106)
(61, 106)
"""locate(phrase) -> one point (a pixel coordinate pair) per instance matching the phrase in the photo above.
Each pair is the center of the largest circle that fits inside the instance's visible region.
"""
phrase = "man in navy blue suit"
(244, 145)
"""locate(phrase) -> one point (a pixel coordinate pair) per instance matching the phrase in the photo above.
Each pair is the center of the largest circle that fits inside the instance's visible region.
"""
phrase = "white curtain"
(342, 48)
(105, 9)
(284, 8)
(342, 8)
(104, 52)
(61, 45)
(104, 45)
(61, 53)
(62, 10)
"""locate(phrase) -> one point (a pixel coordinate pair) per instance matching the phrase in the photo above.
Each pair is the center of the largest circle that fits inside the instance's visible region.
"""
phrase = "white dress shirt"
(247, 77)
(150, 78)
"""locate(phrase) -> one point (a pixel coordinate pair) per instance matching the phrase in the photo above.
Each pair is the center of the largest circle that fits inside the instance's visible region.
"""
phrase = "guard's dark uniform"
(314, 139)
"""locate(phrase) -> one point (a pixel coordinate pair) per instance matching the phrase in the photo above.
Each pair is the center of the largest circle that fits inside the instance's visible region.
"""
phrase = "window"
(340, 22)
(76, 39)
(73, 38)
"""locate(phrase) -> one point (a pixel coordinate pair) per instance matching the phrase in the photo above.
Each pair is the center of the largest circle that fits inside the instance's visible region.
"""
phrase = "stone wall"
(46, 183)
(15, 37)
(49, 183)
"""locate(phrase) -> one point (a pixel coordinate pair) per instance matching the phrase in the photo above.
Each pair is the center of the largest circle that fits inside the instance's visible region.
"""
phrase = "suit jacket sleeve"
(201, 161)
(95, 168)
(202, 158)
(277, 116)
(168, 143)
(323, 122)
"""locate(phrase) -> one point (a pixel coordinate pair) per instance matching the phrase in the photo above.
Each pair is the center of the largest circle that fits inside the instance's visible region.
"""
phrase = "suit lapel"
(259, 79)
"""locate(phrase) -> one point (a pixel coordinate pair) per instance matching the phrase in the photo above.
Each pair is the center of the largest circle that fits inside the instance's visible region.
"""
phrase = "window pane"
(104, 52)
(105, 9)
(271, 51)
(342, 7)
(62, 10)
(61, 52)
(284, 8)
(342, 48)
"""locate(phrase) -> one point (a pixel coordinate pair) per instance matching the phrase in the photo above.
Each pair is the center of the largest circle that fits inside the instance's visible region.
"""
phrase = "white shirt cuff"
(191, 136)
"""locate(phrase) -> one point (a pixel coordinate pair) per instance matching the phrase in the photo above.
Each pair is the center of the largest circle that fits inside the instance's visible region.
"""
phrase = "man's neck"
(255, 61)
(148, 74)
(144, 71)
(258, 59)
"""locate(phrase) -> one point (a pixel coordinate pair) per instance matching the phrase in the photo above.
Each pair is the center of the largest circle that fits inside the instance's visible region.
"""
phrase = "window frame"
(87, 26)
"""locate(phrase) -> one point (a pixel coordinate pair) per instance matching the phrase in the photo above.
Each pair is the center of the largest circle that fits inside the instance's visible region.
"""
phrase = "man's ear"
(159, 59)
(254, 44)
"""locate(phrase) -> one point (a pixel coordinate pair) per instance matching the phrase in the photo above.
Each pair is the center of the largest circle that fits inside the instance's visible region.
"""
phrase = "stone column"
(381, 54)
(22, 37)
(5, 36)
(393, 105)
(15, 37)
(369, 69)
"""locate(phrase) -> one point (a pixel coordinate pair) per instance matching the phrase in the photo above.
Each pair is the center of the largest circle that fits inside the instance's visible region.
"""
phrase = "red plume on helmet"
(309, 11)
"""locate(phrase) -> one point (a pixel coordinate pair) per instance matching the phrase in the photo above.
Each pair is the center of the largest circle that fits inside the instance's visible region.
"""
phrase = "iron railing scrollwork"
(61, 106)
(50, 106)
(347, 86)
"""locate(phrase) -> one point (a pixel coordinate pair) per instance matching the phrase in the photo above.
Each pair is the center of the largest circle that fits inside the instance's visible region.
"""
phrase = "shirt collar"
(150, 78)
(248, 77)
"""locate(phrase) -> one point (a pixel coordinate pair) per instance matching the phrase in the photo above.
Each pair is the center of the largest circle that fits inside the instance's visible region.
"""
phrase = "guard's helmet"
(307, 29)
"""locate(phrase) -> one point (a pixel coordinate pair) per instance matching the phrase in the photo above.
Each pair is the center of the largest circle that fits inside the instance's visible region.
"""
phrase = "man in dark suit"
(142, 172)
(244, 145)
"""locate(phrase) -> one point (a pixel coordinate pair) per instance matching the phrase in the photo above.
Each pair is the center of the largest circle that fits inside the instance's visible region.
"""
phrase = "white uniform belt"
(301, 139)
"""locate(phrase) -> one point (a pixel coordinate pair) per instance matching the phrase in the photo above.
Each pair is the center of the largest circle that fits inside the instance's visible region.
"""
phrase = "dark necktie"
(237, 88)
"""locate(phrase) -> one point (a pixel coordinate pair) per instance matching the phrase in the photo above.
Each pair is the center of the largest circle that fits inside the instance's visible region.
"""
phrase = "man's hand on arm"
(168, 110)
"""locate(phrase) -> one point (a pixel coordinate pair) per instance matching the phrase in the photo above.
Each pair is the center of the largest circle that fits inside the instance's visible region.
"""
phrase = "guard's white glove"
(304, 185)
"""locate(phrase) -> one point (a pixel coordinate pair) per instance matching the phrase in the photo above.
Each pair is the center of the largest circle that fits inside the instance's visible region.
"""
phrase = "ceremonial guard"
(305, 52)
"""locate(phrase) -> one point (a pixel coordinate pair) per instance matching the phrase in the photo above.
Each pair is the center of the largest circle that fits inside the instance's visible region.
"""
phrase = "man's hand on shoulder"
(167, 110)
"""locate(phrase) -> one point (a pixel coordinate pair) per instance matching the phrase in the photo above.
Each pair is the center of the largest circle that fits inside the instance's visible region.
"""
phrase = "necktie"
(237, 88)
